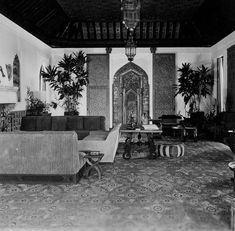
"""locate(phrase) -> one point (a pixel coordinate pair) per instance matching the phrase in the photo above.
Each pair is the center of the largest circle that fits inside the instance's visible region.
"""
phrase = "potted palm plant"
(194, 85)
(68, 79)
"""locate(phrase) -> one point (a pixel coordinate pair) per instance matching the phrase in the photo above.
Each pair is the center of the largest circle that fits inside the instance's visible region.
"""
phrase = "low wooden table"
(185, 131)
(129, 141)
(93, 160)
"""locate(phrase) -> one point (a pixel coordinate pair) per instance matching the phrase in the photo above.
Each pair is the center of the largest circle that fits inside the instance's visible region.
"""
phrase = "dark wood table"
(185, 131)
(129, 141)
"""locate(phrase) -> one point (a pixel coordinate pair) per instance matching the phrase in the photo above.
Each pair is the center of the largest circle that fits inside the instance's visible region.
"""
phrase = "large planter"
(66, 113)
(198, 119)
(33, 113)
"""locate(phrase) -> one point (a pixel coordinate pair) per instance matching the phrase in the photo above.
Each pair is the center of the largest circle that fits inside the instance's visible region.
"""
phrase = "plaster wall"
(32, 54)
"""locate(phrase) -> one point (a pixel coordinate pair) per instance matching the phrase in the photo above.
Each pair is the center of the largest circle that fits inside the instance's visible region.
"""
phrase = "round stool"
(171, 150)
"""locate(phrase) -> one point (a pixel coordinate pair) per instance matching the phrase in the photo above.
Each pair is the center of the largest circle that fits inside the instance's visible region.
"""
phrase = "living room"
(123, 194)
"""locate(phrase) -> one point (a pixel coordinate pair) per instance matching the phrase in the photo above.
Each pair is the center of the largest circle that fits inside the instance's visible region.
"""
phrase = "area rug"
(193, 192)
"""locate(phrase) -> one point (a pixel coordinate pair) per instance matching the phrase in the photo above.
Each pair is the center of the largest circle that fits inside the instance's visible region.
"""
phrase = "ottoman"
(171, 149)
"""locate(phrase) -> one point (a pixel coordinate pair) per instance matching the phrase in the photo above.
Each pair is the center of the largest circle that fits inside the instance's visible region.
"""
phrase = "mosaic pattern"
(187, 193)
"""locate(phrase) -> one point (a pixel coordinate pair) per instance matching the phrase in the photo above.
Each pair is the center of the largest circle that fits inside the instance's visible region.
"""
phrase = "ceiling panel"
(98, 23)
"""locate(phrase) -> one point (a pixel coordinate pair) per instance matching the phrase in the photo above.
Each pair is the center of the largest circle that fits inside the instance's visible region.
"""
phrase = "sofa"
(83, 125)
(220, 125)
(47, 153)
(105, 142)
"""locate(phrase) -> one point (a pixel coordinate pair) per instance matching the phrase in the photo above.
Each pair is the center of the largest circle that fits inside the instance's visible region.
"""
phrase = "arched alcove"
(130, 94)
(16, 75)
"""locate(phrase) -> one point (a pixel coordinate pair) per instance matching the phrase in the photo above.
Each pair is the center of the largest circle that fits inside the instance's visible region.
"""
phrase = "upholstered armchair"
(106, 143)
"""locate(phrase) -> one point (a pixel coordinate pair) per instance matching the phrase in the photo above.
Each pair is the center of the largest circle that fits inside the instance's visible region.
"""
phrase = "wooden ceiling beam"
(46, 18)
(121, 43)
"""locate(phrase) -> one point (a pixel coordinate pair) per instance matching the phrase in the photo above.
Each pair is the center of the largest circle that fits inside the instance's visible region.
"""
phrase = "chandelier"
(131, 18)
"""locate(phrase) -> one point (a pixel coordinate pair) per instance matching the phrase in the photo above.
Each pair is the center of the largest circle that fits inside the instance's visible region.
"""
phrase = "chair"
(230, 141)
(106, 144)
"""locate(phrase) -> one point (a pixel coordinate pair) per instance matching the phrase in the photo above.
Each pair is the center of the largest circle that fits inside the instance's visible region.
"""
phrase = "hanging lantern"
(130, 48)
(131, 13)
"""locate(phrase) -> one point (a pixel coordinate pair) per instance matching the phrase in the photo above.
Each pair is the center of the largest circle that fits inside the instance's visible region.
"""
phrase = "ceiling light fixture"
(131, 13)
(131, 18)
(130, 48)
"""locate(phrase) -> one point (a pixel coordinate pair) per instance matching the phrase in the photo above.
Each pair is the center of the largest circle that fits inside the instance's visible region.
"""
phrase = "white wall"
(220, 50)
(32, 54)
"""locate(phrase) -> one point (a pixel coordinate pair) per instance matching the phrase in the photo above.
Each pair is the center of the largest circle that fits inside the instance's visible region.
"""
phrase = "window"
(42, 82)
(220, 84)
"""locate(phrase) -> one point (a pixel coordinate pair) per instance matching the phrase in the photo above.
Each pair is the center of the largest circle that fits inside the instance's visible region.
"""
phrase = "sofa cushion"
(74, 123)
(58, 123)
(43, 123)
(91, 123)
(95, 137)
(81, 134)
(28, 123)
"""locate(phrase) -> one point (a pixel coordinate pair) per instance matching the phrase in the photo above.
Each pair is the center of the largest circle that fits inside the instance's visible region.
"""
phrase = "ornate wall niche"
(130, 94)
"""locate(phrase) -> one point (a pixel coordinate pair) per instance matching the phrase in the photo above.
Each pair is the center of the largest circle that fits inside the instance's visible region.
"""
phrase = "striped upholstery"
(171, 150)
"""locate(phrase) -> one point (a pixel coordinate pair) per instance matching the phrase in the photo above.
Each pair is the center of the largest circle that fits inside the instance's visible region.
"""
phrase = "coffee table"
(129, 142)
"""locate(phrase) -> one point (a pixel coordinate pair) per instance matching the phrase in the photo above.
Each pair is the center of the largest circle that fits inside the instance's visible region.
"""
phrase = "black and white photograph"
(117, 115)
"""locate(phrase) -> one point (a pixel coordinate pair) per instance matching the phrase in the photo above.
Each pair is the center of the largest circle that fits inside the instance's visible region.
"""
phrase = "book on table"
(150, 127)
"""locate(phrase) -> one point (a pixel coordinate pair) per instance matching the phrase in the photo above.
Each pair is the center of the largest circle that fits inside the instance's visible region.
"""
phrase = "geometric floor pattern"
(188, 193)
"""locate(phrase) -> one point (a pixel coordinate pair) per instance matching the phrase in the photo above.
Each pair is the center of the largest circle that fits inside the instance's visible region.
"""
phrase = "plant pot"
(197, 115)
(46, 114)
(197, 119)
(66, 113)
(33, 113)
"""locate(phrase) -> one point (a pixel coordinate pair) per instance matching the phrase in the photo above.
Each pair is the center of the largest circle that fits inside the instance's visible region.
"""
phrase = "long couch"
(83, 125)
(40, 153)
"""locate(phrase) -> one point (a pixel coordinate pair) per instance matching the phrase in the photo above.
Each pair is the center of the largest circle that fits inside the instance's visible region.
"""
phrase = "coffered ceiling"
(98, 23)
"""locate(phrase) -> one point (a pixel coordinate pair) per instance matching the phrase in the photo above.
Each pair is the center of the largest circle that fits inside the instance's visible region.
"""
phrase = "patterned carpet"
(192, 192)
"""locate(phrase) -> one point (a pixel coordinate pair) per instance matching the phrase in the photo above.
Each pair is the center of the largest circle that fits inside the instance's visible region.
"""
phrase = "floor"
(193, 192)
